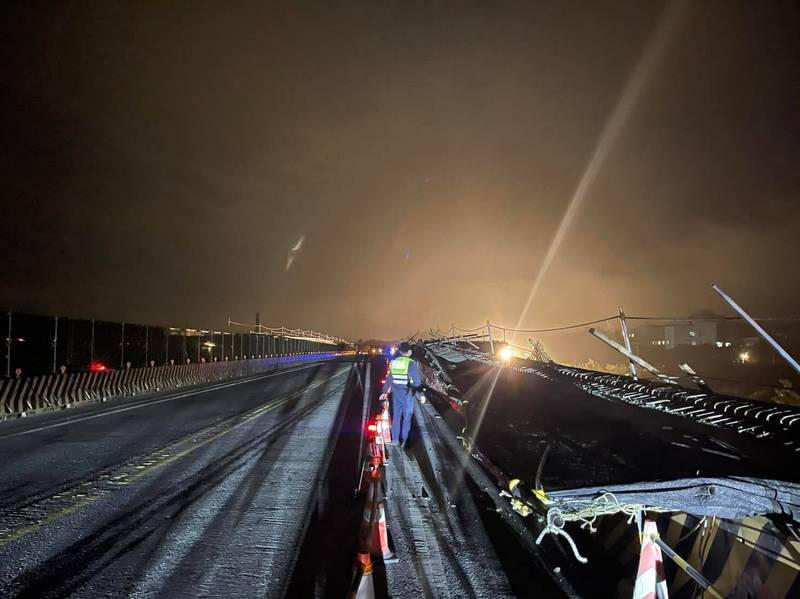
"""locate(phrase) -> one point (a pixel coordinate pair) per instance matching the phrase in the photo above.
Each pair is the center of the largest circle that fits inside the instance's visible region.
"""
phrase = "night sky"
(159, 161)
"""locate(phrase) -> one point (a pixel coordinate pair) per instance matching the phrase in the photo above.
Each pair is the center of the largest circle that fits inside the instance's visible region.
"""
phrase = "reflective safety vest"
(398, 368)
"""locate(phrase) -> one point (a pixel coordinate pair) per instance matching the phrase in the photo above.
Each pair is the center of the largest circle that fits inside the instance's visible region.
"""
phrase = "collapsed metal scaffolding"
(729, 498)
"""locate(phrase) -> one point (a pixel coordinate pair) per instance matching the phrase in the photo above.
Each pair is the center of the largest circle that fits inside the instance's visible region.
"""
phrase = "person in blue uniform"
(405, 382)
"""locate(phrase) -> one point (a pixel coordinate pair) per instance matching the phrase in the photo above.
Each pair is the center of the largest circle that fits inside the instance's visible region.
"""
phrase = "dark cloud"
(160, 161)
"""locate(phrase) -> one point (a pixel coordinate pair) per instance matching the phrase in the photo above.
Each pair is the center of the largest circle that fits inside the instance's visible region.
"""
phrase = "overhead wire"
(563, 328)
(470, 330)
(708, 318)
(641, 318)
(627, 317)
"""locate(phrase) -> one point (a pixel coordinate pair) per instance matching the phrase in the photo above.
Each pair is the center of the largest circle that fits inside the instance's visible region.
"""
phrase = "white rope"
(604, 505)
(555, 527)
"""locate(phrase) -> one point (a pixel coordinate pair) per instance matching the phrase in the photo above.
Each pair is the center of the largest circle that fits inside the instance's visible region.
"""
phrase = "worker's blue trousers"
(402, 411)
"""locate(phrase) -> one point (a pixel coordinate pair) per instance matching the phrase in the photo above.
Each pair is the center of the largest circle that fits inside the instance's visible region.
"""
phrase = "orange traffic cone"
(362, 586)
(387, 425)
(380, 541)
(380, 448)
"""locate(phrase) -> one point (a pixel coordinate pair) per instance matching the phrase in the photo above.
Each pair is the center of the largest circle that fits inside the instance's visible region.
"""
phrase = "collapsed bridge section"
(590, 447)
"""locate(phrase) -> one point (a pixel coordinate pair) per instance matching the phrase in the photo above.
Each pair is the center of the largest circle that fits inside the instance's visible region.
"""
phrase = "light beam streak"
(637, 81)
(634, 86)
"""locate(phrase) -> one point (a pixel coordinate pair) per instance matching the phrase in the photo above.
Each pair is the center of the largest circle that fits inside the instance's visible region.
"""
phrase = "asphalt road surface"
(196, 493)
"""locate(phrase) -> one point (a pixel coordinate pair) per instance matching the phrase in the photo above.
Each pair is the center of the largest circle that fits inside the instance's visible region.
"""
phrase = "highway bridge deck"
(204, 492)
(244, 488)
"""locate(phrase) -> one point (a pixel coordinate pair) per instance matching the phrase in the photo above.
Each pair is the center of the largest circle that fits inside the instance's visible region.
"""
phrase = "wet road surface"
(202, 492)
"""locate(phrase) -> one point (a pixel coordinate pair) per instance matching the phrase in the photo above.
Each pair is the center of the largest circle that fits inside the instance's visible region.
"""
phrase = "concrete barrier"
(23, 396)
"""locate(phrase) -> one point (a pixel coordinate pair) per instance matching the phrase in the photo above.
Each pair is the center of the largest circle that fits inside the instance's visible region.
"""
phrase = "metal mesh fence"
(37, 344)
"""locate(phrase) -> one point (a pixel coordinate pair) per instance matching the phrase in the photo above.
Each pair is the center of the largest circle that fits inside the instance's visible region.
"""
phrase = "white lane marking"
(150, 403)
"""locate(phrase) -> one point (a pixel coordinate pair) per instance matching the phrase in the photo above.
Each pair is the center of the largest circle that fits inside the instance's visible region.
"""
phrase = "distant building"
(671, 336)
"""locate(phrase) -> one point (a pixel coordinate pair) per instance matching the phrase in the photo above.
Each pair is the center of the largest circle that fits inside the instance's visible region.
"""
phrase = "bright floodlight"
(506, 353)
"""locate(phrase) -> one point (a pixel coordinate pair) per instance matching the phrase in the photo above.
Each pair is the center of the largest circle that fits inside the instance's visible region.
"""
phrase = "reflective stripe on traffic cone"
(650, 580)
(379, 445)
(387, 425)
(380, 541)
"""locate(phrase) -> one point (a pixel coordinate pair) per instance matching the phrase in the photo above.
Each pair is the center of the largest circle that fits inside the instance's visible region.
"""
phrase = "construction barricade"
(650, 580)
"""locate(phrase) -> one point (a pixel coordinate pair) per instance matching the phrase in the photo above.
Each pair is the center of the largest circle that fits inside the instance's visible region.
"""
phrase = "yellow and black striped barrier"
(751, 557)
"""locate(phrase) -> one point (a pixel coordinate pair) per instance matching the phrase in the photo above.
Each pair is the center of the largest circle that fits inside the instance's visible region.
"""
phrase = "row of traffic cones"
(373, 537)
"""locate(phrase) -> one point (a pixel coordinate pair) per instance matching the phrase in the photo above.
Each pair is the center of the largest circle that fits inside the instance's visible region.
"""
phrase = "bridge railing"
(39, 344)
